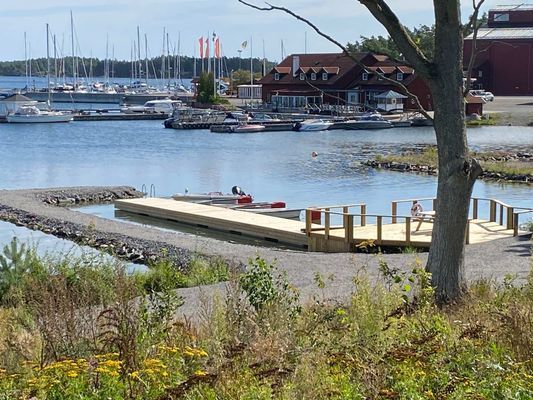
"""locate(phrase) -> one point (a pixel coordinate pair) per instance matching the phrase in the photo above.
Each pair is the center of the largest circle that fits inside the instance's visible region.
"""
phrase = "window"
(501, 17)
(324, 76)
(313, 76)
(399, 76)
(364, 76)
(276, 76)
(302, 76)
(480, 74)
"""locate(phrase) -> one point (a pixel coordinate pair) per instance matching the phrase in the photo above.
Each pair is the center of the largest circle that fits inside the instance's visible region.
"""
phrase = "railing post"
(467, 233)
(492, 211)
(510, 220)
(380, 228)
(407, 231)
(308, 221)
(515, 224)
(394, 211)
(349, 229)
(327, 223)
(363, 214)
(501, 214)
(475, 208)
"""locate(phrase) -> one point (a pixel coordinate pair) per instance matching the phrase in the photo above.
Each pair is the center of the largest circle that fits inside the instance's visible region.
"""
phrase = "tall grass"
(80, 335)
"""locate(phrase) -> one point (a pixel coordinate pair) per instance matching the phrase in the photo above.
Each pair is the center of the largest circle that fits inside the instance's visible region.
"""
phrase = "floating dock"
(273, 229)
(354, 233)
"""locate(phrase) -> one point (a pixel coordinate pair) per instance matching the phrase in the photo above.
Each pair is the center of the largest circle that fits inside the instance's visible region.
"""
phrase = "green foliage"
(206, 89)
(264, 286)
(242, 77)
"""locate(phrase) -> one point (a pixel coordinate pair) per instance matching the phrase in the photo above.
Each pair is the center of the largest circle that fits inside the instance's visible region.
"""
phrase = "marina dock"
(392, 231)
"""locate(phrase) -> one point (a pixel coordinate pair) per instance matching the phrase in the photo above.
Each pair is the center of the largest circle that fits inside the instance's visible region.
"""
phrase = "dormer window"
(364, 76)
(399, 76)
(302, 76)
(313, 76)
(324, 76)
(276, 76)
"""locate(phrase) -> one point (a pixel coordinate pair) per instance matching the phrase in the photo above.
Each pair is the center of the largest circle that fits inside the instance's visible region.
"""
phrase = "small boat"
(370, 121)
(165, 106)
(247, 128)
(237, 196)
(313, 125)
(31, 114)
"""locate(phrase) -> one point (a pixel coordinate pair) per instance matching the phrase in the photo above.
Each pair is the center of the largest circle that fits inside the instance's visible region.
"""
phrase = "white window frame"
(324, 76)
(399, 76)
(302, 76)
(501, 17)
(276, 76)
(313, 76)
(364, 76)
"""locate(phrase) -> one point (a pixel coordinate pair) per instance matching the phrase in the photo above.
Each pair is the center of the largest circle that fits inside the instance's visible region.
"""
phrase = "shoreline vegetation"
(500, 166)
(69, 329)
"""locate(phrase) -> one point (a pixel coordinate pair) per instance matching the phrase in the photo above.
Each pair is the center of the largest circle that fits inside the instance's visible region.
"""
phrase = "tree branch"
(383, 13)
(270, 7)
(475, 26)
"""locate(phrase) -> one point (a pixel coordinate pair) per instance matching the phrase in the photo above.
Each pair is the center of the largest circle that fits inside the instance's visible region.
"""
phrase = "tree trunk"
(457, 171)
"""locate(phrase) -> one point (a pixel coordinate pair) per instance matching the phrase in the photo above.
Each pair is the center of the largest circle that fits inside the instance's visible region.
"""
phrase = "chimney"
(295, 65)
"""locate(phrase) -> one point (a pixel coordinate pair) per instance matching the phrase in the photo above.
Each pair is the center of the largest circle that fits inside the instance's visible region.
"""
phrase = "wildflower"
(134, 374)
(72, 374)
(111, 363)
(199, 372)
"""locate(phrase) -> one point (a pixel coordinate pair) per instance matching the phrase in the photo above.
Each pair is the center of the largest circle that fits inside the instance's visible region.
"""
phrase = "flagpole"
(251, 72)
(214, 67)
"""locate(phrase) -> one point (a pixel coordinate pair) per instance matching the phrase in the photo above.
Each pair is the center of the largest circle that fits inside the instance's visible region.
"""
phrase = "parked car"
(488, 96)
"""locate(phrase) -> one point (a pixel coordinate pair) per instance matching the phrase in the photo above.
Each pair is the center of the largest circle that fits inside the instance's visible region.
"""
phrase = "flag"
(201, 43)
(244, 44)
(217, 47)
(206, 47)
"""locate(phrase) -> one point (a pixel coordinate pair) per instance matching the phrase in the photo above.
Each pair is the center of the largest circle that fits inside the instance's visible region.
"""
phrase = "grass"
(428, 156)
(99, 333)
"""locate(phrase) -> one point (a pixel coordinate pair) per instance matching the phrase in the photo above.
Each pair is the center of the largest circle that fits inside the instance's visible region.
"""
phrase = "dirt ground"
(511, 110)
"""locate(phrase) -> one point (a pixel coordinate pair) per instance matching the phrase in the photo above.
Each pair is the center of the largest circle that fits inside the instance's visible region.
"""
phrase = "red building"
(304, 80)
(504, 59)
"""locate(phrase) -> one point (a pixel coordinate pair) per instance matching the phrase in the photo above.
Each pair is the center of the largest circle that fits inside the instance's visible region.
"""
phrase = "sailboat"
(30, 113)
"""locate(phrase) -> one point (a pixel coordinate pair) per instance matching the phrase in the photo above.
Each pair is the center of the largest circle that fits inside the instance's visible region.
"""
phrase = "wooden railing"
(516, 216)
(347, 218)
(412, 201)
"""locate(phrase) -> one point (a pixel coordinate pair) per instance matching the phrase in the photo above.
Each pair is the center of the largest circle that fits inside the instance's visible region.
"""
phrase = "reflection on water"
(270, 165)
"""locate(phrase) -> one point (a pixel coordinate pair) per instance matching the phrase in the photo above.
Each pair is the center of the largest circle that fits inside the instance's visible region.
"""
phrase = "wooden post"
(515, 224)
(380, 228)
(408, 231)
(510, 219)
(467, 236)
(475, 208)
(349, 232)
(394, 211)
(345, 209)
(363, 214)
(501, 214)
(327, 223)
(492, 211)
(308, 222)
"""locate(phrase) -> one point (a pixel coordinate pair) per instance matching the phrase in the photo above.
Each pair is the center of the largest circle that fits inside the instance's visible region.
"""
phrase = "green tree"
(242, 77)
(206, 89)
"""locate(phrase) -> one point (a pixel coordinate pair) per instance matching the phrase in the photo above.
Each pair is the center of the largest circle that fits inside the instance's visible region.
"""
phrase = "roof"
(16, 98)
(391, 94)
(512, 7)
(502, 33)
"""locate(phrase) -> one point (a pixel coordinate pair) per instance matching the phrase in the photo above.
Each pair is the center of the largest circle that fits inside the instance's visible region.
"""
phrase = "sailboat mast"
(56, 75)
(139, 53)
(26, 60)
(146, 59)
(73, 53)
(251, 72)
(48, 61)
(179, 56)
(168, 59)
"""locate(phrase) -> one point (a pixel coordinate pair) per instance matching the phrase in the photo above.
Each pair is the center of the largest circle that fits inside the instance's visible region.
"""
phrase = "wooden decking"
(402, 231)
(265, 227)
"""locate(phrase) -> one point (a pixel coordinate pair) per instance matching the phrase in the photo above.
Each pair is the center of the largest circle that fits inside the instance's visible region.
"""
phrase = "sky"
(234, 23)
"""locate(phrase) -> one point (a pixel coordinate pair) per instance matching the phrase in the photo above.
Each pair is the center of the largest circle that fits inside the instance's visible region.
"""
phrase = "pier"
(358, 229)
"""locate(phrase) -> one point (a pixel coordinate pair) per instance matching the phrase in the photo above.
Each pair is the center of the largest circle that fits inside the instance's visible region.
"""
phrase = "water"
(270, 165)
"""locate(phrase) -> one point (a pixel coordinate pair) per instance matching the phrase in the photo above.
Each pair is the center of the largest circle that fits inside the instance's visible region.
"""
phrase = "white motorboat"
(31, 114)
(370, 121)
(313, 125)
(165, 106)
(213, 198)
(247, 128)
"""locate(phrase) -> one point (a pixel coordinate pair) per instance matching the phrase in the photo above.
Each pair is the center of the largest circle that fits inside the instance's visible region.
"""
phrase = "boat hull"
(38, 119)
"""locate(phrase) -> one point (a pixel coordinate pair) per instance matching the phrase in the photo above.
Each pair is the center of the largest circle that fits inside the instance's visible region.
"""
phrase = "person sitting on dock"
(416, 209)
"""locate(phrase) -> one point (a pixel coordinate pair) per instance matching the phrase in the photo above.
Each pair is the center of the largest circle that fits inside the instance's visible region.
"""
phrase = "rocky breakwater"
(513, 160)
(45, 210)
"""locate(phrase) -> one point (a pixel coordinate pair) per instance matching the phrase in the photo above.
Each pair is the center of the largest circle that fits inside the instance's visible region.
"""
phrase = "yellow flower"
(111, 363)
(135, 374)
(199, 372)
(72, 374)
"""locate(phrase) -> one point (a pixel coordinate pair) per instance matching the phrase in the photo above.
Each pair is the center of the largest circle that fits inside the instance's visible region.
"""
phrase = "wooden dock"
(393, 230)
(264, 227)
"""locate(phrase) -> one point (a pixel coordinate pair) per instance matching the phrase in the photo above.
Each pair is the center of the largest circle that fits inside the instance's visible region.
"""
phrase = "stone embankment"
(432, 170)
(45, 210)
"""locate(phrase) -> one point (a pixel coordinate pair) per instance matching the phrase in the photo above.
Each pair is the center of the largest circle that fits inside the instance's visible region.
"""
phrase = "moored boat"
(31, 114)
(370, 121)
(247, 128)
(313, 125)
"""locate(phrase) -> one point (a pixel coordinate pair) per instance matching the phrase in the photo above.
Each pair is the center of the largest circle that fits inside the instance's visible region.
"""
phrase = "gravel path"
(37, 209)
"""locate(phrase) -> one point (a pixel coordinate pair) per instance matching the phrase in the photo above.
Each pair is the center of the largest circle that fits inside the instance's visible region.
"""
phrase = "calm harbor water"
(270, 165)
